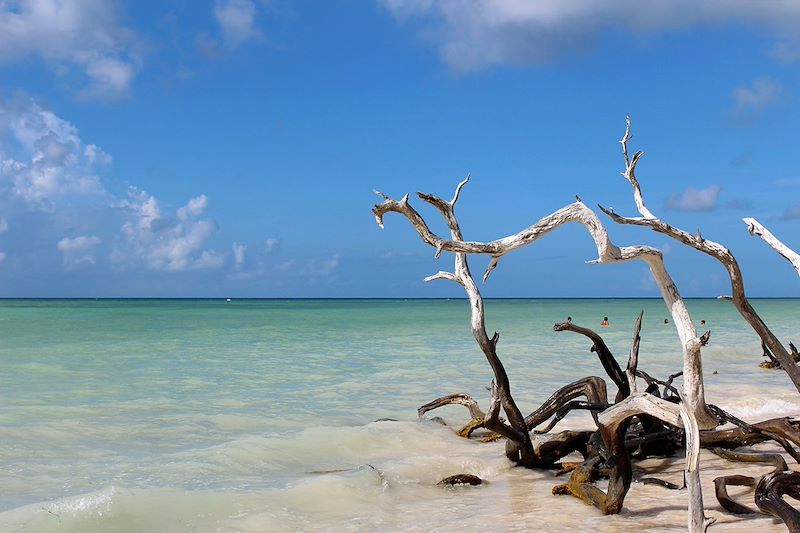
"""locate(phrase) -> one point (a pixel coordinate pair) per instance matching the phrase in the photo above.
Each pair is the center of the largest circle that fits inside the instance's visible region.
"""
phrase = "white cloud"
(83, 34)
(695, 200)
(42, 158)
(110, 79)
(271, 244)
(787, 51)
(472, 34)
(762, 93)
(79, 250)
(194, 208)
(311, 268)
(237, 21)
(238, 253)
(164, 243)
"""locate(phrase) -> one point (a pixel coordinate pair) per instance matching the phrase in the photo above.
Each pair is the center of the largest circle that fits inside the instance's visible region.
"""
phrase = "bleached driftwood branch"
(519, 446)
(607, 252)
(719, 252)
(612, 427)
(633, 358)
(755, 228)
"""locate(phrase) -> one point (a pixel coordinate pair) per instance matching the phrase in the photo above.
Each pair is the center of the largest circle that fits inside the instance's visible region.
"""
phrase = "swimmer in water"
(604, 323)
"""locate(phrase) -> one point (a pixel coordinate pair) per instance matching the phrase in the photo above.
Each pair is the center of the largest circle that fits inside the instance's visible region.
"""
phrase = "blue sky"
(230, 147)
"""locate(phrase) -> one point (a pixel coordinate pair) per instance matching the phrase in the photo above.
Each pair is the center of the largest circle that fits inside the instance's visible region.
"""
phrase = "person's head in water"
(569, 320)
(666, 321)
(605, 321)
(702, 322)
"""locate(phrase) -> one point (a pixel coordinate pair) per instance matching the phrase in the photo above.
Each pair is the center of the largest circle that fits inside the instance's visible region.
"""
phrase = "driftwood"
(769, 497)
(633, 358)
(462, 479)
(769, 489)
(715, 250)
(658, 421)
(755, 228)
(607, 251)
(610, 364)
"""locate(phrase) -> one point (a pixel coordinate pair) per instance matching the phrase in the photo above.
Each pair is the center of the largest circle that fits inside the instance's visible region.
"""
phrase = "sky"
(230, 148)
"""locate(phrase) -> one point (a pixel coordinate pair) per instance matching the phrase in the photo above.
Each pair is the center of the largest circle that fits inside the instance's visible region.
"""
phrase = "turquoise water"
(207, 415)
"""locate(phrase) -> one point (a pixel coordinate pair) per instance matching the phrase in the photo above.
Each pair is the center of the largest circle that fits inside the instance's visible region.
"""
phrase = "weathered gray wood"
(459, 398)
(633, 358)
(755, 228)
(516, 431)
(719, 252)
(611, 421)
(607, 251)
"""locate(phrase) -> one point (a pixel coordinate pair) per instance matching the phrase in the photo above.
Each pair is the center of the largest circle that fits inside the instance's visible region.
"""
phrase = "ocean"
(269, 415)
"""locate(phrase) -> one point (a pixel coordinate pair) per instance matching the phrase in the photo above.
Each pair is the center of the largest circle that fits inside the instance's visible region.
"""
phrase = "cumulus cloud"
(164, 243)
(787, 51)
(314, 268)
(72, 34)
(472, 34)
(237, 19)
(195, 207)
(78, 250)
(756, 97)
(695, 200)
(237, 23)
(271, 244)
(42, 158)
(238, 254)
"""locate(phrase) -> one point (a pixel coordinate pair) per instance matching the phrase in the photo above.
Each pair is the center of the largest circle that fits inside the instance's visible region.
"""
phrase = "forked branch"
(607, 252)
(715, 250)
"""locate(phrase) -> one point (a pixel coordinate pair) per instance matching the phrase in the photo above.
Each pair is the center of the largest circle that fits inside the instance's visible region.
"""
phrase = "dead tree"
(714, 249)
(519, 446)
(607, 251)
(677, 416)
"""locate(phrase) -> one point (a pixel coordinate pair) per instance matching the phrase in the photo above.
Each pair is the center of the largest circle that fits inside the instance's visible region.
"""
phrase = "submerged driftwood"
(657, 422)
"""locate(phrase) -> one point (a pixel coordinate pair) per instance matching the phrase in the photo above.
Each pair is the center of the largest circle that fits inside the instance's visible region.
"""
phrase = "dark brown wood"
(610, 364)
(592, 387)
(459, 398)
(461, 479)
(781, 430)
(564, 410)
(769, 497)
(774, 459)
(721, 491)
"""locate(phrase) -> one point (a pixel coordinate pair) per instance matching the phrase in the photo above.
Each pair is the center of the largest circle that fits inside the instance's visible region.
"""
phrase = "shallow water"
(258, 415)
